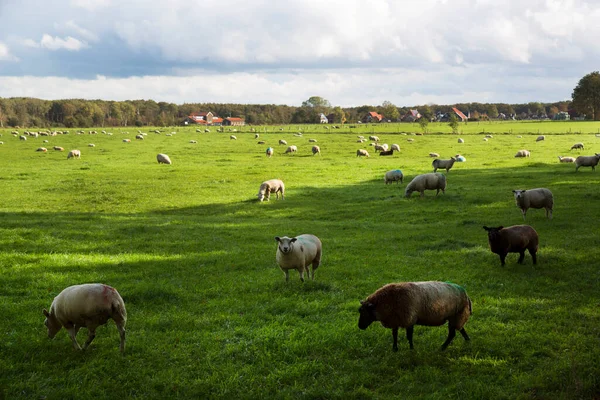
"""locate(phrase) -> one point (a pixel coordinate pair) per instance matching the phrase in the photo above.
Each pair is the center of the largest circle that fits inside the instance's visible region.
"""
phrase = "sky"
(350, 52)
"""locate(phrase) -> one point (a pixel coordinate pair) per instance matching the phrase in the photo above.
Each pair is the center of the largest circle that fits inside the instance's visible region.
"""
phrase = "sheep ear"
(293, 240)
(514, 191)
(278, 238)
(500, 227)
(46, 313)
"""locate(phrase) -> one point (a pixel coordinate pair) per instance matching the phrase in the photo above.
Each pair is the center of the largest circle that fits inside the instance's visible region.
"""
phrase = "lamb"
(406, 304)
(163, 158)
(566, 159)
(534, 198)
(271, 186)
(430, 181)
(393, 175)
(522, 153)
(513, 239)
(269, 151)
(362, 153)
(298, 253)
(587, 161)
(89, 305)
(281, 141)
(395, 147)
(540, 138)
(291, 149)
(447, 164)
(74, 154)
(434, 155)
(316, 150)
(578, 146)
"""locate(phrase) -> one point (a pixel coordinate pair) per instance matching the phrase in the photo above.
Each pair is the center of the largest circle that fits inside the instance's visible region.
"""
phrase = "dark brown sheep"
(406, 304)
(513, 239)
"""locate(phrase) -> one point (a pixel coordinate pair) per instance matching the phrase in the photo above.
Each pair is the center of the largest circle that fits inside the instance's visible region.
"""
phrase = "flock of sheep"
(395, 305)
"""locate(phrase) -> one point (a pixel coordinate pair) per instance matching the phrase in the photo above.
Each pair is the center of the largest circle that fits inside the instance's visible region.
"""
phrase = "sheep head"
(52, 324)
(518, 193)
(493, 233)
(286, 244)
(367, 314)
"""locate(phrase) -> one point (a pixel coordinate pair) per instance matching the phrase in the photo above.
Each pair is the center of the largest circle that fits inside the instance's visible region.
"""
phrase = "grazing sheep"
(271, 186)
(126, 140)
(374, 138)
(387, 153)
(91, 145)
(540, 138)
(193, 142)
(361, 140)
(89, 305)
(566, 159)
(256, 136)
(430, 181)
(74, 154)
(587, 161)
(395, 147)
(261, 142)
(578, 146)
(232, 137)
(460, 140)
(489, 136)
(316, 150)
(406, 304)
(362, 153)
(269, 151)
(410, 140)
(312, 140)
(58, 148)
(434, 155)
(22, 137)
(485, 139)
(534, 198)
(460, 158)
(447, 164)
(513, 239)
(281, 141)
(291, 149)
(139, 137)
(393, 175)
(163, 158)
(298, 253)
(519, 136)
(381, 147)
(522, 153)
(42, 149)
(206, 130)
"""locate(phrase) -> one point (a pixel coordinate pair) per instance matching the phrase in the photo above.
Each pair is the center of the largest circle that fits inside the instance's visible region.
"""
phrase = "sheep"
(207, 130)
(460, 158)
(406, 304)
(393, 175)
(381, 147)
(489, 136)
(269, 151)
(374, 138)
(513, 239)
(126, 140)
(460, 140)
(163, 158)
(281, 141)
(485, 139)
(261, 142)
(74, 154)
(361, 140)
(519, 136)
(410, 140)
(587, 161)
(434, 155)
(578, 146)
(523, 153)
(42, 149)
(291, 149)
(298, 253)
(139, 137)
(534, 198)
(271, 186)
(232, 137)
(540, 138)
(362, 153)
(312, 140)
(430, 181)
(22, 137)
(395, 147)
(316, 150)
(58, 148)
(566, 159)
(386, 153)
(447, 164)
(89, 305)
(256, 136)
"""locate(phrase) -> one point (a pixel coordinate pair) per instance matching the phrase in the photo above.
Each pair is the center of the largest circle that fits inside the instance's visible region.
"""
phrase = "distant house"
(372, 116)
(331, 118)
(202, 118)
(233, 121)
(323, 118)
(562, 116)
(411, 116)
(460, 114)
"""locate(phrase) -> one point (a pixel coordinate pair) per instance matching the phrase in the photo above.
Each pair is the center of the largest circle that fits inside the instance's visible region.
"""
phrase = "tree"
(423, 123)
(453, 124)
(586, 95)
(316, 102)
(390, 111)
(492, 111)
(339, 116)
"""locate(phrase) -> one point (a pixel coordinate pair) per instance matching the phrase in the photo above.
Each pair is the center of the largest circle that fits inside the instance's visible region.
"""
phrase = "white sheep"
(256, 136)
(434, 155)
(89, 305)
(362, 153)
(393, 175)
(58, 148)
(443, 164)
(523, 153)
(163, 158)
(139, 137)
(430, 181)
(42, 149)
(374, 138)
(271, 186)
(534, 198)
(460, 140)
(269, 151)
(566, 159)
(281, 141)
(22, 137)
(232, 137)
(587, 161)
(193, 142)
(395, 147)
(291, 149)
(577, 146)
(316, 150)
(74, 154)
(299, 253)
(312, 140)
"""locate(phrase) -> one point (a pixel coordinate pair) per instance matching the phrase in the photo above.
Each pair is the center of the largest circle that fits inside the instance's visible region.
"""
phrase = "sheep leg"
(287, 275)
(521, 256)
(409, 336)
(121, 328)
(451, 334)
(523, 212)
(72, 330)
(533, 256)
(549, 212)
(464, 334)
(395, 336)
(91, 336)
(503, 258)
(301, 272)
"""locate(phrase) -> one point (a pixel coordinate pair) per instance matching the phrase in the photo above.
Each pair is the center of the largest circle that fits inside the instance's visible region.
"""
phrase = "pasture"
(192, 253)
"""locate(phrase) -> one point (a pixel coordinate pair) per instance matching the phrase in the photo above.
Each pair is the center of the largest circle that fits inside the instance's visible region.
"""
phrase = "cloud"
(81, 32)
(56, 43)
(5, 54)
(90, 4)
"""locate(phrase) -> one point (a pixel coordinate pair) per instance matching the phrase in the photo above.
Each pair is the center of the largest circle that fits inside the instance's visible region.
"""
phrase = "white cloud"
(56, 43)
(90, 4)
(5, 54)
(82, 32)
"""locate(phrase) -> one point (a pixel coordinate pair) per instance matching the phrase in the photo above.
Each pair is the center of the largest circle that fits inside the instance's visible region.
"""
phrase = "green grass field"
(209, 314)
